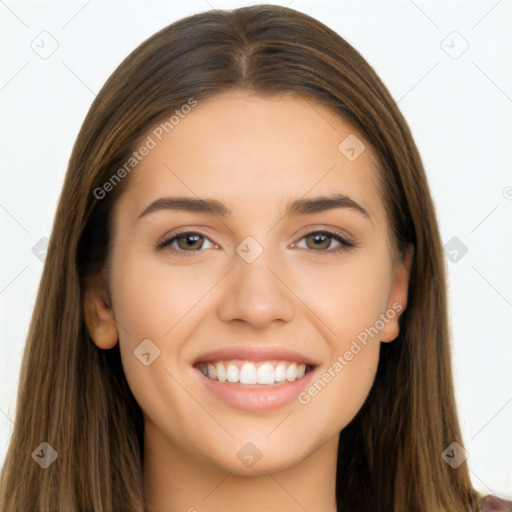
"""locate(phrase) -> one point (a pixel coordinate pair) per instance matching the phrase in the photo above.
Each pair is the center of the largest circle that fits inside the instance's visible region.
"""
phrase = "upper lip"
(254, 353)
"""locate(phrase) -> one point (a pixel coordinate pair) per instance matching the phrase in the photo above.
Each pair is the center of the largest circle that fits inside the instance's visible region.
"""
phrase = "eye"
(191, 242)
(187, 241)
(321, 242)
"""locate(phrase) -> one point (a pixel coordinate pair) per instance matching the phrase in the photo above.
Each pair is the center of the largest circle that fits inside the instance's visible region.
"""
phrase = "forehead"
(255, 152)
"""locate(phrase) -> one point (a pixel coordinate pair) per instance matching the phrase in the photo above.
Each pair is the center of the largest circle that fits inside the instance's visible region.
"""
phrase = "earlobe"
(397, 301)
(99, 318)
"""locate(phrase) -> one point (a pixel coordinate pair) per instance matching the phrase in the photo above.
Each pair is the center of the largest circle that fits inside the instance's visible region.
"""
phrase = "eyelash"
(169, 239)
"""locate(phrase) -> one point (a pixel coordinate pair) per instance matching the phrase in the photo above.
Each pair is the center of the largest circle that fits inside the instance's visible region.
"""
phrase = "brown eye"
(186, 242)
(319, 241)
(189, 241)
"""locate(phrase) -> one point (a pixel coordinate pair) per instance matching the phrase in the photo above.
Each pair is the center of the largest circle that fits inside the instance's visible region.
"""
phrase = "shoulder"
(491, 503)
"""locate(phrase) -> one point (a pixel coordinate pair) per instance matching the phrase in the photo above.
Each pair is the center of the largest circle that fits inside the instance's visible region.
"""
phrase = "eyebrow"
(221, 209)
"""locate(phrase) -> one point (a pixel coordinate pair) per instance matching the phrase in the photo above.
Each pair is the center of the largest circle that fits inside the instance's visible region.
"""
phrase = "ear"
(98, 314)
(397, 300)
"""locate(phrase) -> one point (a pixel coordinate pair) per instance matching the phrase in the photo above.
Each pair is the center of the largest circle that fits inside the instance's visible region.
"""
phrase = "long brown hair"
(75, 397)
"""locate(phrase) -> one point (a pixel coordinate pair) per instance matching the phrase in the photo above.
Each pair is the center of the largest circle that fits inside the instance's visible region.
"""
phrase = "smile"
(267, 373)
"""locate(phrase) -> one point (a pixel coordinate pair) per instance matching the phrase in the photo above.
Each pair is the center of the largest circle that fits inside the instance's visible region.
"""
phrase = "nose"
(256, 293)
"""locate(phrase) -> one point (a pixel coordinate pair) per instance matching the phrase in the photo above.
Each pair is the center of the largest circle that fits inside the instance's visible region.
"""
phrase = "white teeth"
(221, 373)
(280, 372)
(212, 372)
(291, 373)
(250, 373)
(232, 373)
(266, 374)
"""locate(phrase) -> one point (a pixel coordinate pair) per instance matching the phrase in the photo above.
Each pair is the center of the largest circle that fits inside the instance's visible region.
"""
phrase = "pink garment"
(491, 503)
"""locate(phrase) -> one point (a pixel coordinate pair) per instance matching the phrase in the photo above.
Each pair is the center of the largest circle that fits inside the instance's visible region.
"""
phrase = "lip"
(254, 353)
(249, 398)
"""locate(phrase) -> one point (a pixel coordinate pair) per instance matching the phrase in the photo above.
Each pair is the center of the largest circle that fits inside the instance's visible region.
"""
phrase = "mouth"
(250, 373)
(254, 378)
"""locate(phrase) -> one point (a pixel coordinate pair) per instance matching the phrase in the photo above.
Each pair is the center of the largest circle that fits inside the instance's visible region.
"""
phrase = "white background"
(459, 110)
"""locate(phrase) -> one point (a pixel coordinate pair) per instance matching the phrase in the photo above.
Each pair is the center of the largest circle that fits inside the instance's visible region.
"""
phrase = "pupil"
(319, 238)
(190, 240)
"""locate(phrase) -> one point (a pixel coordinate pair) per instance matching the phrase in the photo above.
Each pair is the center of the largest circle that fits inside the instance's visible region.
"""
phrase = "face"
(290, 294)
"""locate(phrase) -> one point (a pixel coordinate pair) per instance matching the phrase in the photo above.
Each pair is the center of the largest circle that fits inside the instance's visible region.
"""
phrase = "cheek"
(349, 300)
(152, 298)
(154, 307)
(339, 390)
(163, 304)
(348, 297)
(350, 308)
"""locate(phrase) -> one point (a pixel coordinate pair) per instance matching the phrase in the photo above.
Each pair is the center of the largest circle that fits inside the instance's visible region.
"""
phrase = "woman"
(243, 304)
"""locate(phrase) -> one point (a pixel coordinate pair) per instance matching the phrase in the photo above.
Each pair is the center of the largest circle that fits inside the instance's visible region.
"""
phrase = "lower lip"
(249, 398)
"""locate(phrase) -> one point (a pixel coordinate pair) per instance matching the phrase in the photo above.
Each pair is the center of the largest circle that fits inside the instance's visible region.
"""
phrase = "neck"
(175, 481)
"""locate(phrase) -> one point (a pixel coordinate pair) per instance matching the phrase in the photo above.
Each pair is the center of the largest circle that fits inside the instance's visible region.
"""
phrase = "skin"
(255, 154)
